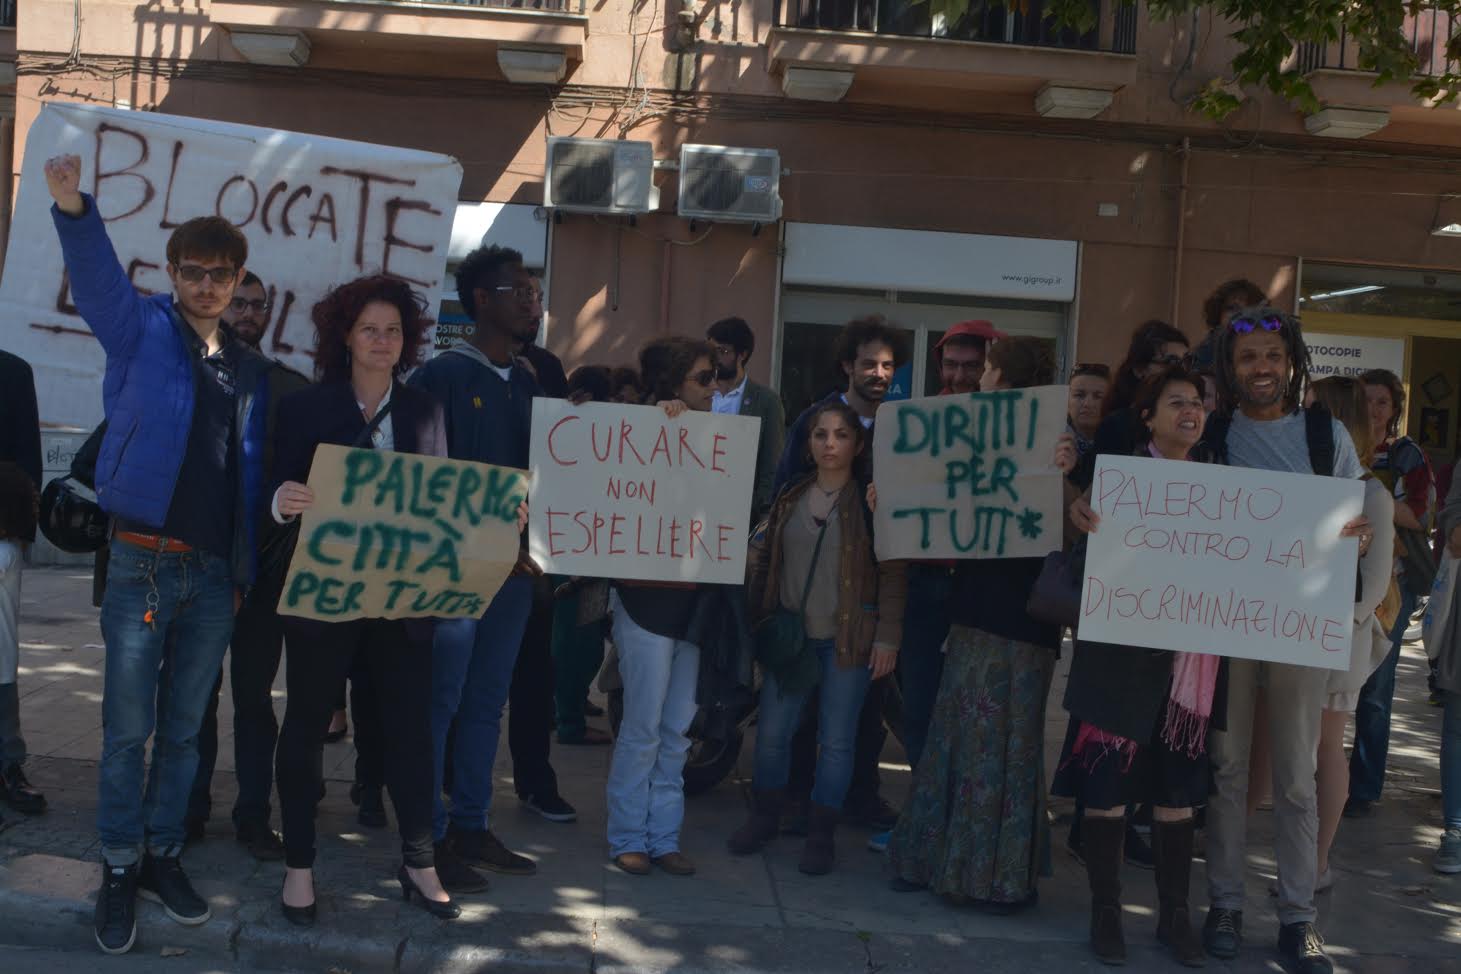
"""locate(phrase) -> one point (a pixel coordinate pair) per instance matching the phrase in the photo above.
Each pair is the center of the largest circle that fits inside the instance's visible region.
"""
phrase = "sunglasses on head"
(1100, 369)
(193, 273)
(1244, 325)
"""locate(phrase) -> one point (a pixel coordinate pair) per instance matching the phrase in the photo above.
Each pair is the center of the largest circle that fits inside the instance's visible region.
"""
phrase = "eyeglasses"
(1173, 359)
(241, 305)
(521, 293)
(1243, 325)
(703, 378)
(193, 273)
(1100, 369)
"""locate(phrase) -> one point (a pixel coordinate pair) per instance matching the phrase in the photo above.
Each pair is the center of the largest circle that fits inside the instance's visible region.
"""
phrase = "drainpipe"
(1186, 152)
(666, 249)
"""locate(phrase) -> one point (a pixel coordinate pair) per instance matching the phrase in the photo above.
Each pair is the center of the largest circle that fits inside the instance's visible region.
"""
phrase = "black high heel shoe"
(442, 911)
(300, 916)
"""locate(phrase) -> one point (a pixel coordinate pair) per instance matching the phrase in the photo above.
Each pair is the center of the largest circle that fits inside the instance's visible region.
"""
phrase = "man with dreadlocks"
(1262, 366)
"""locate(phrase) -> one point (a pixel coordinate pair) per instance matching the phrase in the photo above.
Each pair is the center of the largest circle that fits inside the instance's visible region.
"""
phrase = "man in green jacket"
(736, 394)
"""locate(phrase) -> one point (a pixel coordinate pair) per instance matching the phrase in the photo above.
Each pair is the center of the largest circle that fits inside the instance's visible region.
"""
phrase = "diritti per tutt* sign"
(400, 535)
(317, 212)
(970, 476)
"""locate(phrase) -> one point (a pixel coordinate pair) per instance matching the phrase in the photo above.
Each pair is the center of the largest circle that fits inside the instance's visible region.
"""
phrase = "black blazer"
(329, 413)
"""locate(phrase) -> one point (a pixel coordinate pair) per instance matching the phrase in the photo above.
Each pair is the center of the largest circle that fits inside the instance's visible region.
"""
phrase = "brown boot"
(763, 824)
(1172, 850)
(1101, 843)
(820, 850)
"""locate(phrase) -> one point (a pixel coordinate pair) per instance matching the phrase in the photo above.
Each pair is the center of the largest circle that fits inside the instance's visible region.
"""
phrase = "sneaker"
(1222, 933)
(877, 815)
(455, 875)
(161, 879)
(116, 909)
(486, 851)
(1448, 857)
(262, 842)
(18, 793)
(551, 807)
(1303, 949)
(878, 841)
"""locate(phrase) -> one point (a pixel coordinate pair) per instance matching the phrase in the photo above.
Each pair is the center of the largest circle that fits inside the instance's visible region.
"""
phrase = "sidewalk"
(1388, 911)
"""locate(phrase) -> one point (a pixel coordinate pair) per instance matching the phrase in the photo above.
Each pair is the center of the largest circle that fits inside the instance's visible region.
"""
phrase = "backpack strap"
(1319, 431)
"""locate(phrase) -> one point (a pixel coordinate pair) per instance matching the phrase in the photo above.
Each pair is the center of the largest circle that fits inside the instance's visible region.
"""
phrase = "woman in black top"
(658, 665)
(1155, 345)
(973, 827)
(370, 332)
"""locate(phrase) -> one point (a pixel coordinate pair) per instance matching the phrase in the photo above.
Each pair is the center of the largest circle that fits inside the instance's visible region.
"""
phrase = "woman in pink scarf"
(1138, 727)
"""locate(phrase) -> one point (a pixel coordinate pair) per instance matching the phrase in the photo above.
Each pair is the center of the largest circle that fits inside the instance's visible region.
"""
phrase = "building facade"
(1050, 180)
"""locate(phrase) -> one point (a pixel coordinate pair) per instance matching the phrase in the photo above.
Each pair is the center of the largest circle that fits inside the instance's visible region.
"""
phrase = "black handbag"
(781, 637)
(276, 550)
(1416, 561)
(1055, 598)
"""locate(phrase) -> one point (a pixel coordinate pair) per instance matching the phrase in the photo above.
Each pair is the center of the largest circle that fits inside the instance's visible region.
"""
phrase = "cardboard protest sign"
(399, 536)
(626, 492)
(1223, 560)
(317, 212)
(969, 476)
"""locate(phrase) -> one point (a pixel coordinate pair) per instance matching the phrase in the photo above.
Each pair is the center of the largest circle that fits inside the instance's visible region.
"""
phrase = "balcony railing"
(984, 20)
(1427, 33)
(7, 13)
(547, 6)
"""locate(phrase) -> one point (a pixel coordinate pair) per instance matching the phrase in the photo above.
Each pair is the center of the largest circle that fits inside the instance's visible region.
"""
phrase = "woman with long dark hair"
(815, 559)
(369, 333)
(658, 664)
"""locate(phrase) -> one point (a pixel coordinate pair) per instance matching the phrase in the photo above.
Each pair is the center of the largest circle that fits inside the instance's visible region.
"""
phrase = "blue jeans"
(646, 788)
(840, 695)
(1372, 716)
(1451, 762)
(159, 676)
(471, 671)
(921, 658)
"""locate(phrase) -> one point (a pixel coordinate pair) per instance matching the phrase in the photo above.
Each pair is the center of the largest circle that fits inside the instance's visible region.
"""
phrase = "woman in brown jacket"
(814, 561)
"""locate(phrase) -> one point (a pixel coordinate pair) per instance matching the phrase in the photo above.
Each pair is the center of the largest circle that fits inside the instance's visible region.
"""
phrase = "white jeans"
(646, 791)
(1296, 696)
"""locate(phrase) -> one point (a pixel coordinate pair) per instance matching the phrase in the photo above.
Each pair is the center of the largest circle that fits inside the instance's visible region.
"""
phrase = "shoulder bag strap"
(362, 441)
(812, 568)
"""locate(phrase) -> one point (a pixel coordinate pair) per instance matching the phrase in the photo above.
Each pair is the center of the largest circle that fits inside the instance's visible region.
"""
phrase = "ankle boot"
(820, 850)
(1101, 841)
(763, 824)
(1172, 849)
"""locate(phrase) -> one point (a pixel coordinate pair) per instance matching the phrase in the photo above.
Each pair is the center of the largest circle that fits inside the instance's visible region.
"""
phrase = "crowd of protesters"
(201, 469)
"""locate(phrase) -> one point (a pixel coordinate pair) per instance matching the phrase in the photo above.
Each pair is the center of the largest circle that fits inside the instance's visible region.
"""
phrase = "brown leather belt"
(154, 542)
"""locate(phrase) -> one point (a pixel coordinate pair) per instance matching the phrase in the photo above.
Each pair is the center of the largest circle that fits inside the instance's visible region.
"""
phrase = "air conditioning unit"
(599, 176)
(730, 185)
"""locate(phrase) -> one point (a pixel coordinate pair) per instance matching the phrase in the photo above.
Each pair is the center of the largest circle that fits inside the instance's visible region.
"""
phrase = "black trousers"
(863, 792)
(396, 654)
(253, 663)
(366, 704)
(530, 717)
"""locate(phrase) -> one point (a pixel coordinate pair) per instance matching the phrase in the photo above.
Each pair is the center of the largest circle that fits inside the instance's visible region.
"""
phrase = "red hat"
(974, 329)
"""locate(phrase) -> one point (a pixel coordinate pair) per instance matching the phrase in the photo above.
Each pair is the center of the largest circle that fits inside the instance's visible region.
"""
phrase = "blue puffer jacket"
(148, 391)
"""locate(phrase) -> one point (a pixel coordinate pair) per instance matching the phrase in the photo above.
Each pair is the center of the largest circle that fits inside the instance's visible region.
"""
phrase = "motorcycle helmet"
(71, 518)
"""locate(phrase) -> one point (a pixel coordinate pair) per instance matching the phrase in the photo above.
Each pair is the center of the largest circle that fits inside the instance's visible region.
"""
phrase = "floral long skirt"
(974, 828)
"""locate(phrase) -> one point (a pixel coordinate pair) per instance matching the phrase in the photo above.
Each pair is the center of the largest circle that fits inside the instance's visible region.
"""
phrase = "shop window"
(1342, 289)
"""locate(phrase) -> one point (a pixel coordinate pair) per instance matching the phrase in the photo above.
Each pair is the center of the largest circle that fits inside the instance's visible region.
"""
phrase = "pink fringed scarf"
(1188, 714)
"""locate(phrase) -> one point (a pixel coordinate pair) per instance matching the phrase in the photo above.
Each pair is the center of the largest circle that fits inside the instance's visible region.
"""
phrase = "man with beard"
(258, 637)
(1262, 368)
(530, 708)
(960, 355)
(735, 394)
(868, 351)
(248, 312)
